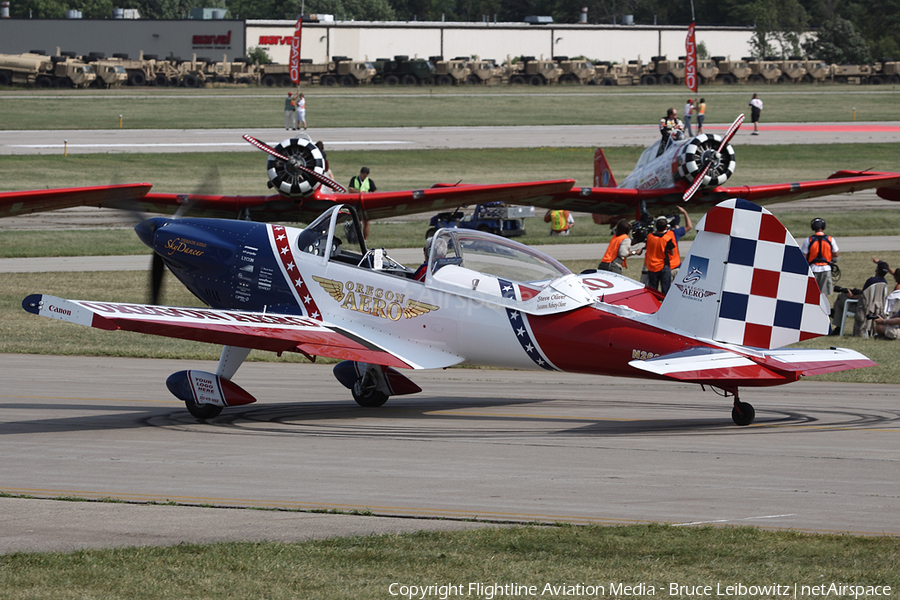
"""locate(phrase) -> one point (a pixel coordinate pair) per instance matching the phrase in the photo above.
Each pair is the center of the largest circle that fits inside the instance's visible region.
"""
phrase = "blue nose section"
(146, 229)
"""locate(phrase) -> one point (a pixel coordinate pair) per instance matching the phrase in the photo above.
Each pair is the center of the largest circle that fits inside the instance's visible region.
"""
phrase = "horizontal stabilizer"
(708, 364)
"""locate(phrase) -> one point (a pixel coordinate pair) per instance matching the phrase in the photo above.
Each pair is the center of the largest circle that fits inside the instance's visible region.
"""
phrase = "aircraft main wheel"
(743, 413)
(368, 398)
(203, 411)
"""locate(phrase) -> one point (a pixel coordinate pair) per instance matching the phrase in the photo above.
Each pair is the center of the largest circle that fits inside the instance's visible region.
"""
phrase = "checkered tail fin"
(745, 282)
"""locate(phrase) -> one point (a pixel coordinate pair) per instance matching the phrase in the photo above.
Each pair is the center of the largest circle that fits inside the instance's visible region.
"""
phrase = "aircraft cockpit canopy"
(335, 233)
(491, 255)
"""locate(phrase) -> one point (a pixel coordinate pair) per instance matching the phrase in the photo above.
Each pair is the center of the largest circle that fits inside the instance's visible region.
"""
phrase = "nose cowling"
(146, 229)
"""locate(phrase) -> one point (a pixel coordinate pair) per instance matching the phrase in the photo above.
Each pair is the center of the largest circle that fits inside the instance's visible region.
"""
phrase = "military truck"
(732, 71)
(451, 72)
(577, 71)
(110, 74)
(793, 70)
(486, 72)
(45, 71)
(402, 70)
(764, 71)
(817, 71)
(533, 72)
(608, 73)
(350, 73)
(885, 70)
(855, 74)
(665, 70)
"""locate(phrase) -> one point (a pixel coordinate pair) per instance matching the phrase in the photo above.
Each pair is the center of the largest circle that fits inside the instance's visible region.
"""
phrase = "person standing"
(560, 221)
(669, 126)
(701, 115)
(820, 251)
(301, 110)
(688, 113)
(289, 113)
(756, 106)
(658, 255)
(363, 183)
(619, 249)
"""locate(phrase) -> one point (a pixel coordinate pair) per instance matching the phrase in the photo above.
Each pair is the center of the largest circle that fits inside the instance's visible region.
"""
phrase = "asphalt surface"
(423, 138)
(493, 445)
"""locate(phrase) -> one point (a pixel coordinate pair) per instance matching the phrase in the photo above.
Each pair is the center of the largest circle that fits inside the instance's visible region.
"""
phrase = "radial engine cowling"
(700, 150)
(289, 181)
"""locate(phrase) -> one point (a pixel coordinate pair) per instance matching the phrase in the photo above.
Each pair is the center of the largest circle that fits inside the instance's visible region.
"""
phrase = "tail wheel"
(703, 149)
(743, 413)
(291, 182)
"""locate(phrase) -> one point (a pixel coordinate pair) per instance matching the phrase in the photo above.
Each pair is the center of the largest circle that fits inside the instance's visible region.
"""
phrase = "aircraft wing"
(120, 196)
(374, 205)
(623, 201)
(709, 365)
(842, 182)
(271, 332)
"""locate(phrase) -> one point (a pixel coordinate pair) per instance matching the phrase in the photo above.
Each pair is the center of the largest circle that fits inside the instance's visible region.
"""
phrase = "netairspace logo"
(492, 591)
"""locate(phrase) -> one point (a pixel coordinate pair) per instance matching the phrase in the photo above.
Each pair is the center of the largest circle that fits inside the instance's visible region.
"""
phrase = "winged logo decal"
(414, 308)
(378, 302)
(334, 288)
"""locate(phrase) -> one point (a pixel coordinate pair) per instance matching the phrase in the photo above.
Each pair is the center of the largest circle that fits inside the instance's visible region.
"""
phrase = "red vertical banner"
(295, 53)
(690, 60)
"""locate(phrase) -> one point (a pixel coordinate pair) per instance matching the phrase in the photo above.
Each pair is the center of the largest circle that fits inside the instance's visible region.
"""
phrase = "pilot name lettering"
(179, 245)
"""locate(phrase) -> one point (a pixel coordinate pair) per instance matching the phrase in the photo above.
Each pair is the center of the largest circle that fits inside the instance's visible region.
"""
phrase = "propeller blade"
(157, 269)
(294, 164)
(698, 180)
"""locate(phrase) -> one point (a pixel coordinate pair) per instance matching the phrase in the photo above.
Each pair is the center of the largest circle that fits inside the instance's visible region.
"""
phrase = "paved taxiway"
(423, 138)
(475, 444)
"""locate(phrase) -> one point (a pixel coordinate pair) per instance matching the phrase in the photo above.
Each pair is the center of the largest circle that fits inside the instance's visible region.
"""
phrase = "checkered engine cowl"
(290, 182)
(690, 163)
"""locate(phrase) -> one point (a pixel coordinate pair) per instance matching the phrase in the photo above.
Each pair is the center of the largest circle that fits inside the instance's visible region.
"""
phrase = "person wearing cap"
(870, 302)
(820, 251)
(363, 183)
(658, 255)
(688, 113)
(619, 249)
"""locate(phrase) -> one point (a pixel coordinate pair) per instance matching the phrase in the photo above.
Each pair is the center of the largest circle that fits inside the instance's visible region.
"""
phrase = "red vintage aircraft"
(694, 169)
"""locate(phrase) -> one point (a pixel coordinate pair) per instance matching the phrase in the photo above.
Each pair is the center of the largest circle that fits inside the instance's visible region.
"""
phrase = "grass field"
(434, 107)
(364, 567)
(651, 556)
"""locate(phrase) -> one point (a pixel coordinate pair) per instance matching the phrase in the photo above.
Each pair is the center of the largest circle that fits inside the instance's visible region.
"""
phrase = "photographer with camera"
(870, 301)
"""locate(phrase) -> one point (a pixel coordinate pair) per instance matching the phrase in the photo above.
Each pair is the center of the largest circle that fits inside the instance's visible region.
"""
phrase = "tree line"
(845, 31)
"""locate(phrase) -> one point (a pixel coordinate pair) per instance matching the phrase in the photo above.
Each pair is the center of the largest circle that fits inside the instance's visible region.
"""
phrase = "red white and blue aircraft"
(694, 169)
(743, 293)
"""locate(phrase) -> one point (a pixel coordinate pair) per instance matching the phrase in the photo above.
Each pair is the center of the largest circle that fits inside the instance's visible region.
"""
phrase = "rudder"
(745, 282)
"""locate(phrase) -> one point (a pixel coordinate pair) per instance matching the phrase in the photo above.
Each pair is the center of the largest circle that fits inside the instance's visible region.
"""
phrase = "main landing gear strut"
(742, 413)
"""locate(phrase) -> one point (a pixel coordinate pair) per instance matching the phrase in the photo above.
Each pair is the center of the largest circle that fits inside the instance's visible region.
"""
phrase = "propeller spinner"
(290, 173)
